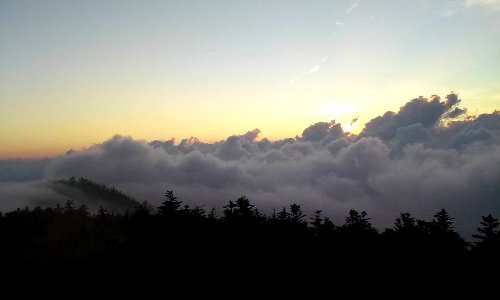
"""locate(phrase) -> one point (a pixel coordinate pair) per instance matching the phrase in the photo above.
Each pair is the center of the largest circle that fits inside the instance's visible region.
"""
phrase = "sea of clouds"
(429, 155)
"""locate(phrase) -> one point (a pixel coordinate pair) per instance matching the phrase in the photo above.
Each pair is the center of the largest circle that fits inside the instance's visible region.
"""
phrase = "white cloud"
(493, 5)
(452, 8)
(351, 8)
(489, 6)
(314, 69)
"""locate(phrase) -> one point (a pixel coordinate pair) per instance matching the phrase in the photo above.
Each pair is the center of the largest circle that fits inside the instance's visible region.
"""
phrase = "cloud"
(490, 5)
(412, 134)
(419, 159)
(450, 8)
(455, 113)
(22, 170)
(427, 112)
(312, 70)
(454, 7)
(14, 195)
(469, 136)
(351, 8)
(322, 132)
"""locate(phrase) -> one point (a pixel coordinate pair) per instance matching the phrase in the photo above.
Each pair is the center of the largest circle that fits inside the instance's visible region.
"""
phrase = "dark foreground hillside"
(177, 239)
(94, 195)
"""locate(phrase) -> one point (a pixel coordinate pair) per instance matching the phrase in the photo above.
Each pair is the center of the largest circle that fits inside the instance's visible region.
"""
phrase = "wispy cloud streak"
(312, 70)
(351, 8)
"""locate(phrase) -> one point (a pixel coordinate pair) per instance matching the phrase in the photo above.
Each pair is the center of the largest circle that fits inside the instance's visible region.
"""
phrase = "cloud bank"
(428, 155)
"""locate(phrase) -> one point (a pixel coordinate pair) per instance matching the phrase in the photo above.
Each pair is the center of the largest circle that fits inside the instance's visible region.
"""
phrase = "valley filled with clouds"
(431, 154)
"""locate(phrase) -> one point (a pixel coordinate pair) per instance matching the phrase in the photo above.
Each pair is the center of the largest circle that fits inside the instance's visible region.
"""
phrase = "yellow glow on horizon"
(334, 109)
(77, 121)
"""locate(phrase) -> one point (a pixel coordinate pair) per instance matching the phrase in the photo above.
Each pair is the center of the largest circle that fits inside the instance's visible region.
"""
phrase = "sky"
(75, 73)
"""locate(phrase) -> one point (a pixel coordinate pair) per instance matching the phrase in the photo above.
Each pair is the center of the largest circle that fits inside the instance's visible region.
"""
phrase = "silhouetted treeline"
(69, 238)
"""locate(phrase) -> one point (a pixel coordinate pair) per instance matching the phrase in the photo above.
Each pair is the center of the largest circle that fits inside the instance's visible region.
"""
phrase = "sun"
(347, 127)
(340, 112)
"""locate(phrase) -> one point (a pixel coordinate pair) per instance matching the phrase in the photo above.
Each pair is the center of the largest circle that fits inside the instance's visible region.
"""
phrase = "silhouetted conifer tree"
(405, 223)
(198, 212)
(488, 239)
(317, 221)
(442, 222)
(229, 210)
(297, 215)
(283, 216)
(243, 208)
(170, 205)
(444, 240)
(358, 222)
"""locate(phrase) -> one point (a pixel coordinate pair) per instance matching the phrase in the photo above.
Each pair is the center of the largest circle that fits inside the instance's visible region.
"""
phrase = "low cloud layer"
(428, 155)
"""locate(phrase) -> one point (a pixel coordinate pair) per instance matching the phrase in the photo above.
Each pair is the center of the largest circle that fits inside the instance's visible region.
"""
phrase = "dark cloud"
(252, 135)
(488, 121)
(381, 126)
(412, 134)
(427, 112)
(322, 132)
(469, 136)
(316, 132)
(455, 113)
(419, 159)
(231, 149)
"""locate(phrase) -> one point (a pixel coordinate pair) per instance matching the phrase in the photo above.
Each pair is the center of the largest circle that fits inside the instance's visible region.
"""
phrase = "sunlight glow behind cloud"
(338, 109)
